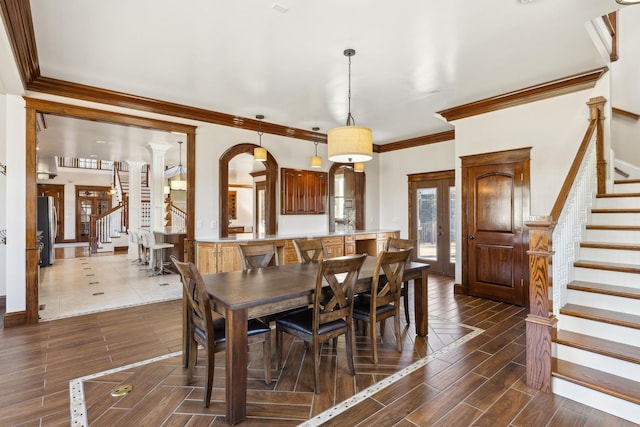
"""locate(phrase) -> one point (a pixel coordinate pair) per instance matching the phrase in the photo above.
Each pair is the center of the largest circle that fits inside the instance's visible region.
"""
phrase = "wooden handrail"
(597, 116)
(573, 171)
(93, 230)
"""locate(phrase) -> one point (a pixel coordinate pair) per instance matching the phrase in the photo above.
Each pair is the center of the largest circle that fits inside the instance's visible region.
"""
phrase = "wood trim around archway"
(271, 166)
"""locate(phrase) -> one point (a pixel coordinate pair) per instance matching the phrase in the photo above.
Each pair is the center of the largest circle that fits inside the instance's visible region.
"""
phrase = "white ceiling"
(414, 57)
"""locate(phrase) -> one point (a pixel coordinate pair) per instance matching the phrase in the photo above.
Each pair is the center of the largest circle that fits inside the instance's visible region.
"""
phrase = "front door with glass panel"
(431, 220)
(90, 201)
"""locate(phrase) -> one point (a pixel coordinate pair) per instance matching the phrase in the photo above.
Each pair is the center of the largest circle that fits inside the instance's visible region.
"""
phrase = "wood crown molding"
(574, 83)
(416, 142)
(19, 24)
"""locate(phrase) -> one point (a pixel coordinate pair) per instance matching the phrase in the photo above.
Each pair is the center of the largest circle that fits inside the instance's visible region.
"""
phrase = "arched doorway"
(271, 180)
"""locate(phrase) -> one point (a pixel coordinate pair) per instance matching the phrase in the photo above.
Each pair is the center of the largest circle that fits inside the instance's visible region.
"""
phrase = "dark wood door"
(496, 198)
(57, 192)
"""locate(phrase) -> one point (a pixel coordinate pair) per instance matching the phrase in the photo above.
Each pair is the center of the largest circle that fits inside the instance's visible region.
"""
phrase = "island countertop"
(253, 237)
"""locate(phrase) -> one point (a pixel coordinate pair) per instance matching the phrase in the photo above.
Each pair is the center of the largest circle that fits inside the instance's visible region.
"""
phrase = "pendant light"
(316, 161)
(358, 167)
(259, 153)
(178, 182)
(350, 143)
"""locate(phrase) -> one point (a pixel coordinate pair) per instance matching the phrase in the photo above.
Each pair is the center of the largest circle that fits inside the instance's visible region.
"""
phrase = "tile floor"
(89, 284)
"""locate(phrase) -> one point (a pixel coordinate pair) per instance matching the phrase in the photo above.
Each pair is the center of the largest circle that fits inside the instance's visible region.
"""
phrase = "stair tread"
(609, 348)
(612, 266)
(614, 385)
(603, 288)
(612, 227)
(602, 195)
(598, 314)
(611, 245)
(626, 210)
(626, 181)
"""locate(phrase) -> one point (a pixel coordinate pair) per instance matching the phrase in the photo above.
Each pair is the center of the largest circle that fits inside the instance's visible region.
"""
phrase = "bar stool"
(149, 242)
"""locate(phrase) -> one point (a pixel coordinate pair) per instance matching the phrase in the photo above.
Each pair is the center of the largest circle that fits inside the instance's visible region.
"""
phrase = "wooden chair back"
(335, 302)
(395, 244)
(258, 256)
(309, 250)
(391, 264)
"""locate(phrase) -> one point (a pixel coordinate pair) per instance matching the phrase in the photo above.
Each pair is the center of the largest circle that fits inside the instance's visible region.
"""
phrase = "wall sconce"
(3, 169)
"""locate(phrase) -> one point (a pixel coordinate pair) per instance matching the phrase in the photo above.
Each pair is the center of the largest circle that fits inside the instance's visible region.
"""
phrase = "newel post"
(596, 112)
(540, 322)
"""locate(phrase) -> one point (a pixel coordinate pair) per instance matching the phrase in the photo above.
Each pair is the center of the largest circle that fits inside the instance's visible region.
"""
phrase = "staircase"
(597, 342)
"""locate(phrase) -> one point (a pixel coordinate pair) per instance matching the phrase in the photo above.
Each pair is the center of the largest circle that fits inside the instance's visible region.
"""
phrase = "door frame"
(413, 180)
(33, 106)
(517, 155)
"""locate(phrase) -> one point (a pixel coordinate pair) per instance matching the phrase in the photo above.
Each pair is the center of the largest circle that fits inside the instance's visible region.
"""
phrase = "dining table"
(243, 295)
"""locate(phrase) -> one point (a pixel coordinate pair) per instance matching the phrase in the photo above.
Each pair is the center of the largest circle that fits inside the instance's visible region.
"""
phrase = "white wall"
(3, 191)
(394, 187)
(16, 209)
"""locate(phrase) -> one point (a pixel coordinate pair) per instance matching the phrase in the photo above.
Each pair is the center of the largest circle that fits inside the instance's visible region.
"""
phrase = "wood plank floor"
(460, 381)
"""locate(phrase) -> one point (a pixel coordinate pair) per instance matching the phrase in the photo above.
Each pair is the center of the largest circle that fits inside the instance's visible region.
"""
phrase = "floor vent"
(98, 293)
(94, 283)
(42, 307)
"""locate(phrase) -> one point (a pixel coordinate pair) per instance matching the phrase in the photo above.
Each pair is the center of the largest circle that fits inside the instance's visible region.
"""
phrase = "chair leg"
(266, 350)
(279, 340)
(374, 341)
(211, 362)
(316, 366)
(193, 358)
(396, 322)
(405, 296)
(349, 345)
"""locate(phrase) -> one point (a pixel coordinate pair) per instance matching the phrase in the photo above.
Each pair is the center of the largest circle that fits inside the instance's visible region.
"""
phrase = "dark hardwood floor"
(468, 371)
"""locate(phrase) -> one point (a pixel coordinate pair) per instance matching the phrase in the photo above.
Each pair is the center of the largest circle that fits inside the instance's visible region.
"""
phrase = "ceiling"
(284, 59)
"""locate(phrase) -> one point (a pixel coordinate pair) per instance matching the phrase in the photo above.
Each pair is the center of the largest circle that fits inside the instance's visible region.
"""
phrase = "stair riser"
(615, 218)
(600, 362)
(612, 405)
(610, 255)
(616, 203)
(606, 276)
(604, 302)
(602, 330)
(626, 188)
(616, 236)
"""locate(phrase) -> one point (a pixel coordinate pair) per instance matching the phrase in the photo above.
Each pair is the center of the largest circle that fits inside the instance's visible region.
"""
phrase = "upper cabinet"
(303, 192)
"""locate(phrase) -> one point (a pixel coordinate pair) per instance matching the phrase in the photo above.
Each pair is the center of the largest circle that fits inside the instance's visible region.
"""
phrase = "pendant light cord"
(350, 120)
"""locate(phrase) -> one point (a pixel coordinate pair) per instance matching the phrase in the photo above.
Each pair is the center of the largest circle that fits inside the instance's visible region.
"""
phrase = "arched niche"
(271, 166)
(359, 181)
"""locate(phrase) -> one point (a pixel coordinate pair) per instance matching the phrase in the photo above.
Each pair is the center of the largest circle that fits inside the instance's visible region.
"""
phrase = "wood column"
(540, 322)
(596, 112)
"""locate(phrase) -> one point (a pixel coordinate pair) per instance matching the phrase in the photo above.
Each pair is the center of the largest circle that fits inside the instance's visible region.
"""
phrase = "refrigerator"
(47, 225)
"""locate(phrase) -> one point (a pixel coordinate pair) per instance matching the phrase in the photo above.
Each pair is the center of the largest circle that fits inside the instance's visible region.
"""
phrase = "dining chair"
(258, 256)
(202, 329)
(330, 314)
(394, 244)
(384, 299)
(309, 250)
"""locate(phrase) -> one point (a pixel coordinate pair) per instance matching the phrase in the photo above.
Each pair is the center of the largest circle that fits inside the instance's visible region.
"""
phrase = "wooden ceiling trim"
(416, 142)
(546, 90)
(61, 109)
(19, 24)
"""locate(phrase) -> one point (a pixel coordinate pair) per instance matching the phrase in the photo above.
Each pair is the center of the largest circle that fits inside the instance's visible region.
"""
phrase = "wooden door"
(57, 192)
(90, 200)
(495, 199)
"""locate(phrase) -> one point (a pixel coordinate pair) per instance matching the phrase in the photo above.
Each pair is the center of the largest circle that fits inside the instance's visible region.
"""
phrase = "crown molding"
(416, 142)
(565, 85)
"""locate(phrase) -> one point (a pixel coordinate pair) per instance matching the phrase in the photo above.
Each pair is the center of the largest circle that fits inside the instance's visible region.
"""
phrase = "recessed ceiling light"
(93, 156)
(101, 142)
(279, 7)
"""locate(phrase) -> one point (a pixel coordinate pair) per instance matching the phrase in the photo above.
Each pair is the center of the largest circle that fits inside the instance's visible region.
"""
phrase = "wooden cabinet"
(349, 245)
(382, 239)
(290, 255)
(207, 257)
(303, 192)
(333, 246)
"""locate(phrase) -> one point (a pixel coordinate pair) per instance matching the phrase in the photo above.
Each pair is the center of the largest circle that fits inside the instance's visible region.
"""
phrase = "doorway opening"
(432, 219)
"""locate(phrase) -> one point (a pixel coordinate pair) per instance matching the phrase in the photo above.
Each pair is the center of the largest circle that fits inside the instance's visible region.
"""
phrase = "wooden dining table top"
(246, 289)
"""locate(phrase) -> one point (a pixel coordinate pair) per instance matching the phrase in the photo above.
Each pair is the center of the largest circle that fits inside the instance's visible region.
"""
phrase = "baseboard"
(458, 289)
(3, 303)
(17, 318)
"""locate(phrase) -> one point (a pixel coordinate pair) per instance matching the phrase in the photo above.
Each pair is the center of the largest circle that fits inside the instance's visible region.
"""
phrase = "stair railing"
(103, 227)
(561, 231)
(175, 217)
